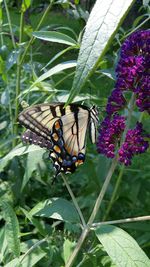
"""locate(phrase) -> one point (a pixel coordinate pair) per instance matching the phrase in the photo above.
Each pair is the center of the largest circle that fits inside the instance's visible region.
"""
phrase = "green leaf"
(58, 68)
(25, 5)
(12, 59)
(3, 243)
(29, 260)
(17, 151)
(56, 56)
(56, 37)
(68, 247)
(105, 18)
(34, 160)
(11, 228)
(56, 208)
(35, 221)
(121, 247)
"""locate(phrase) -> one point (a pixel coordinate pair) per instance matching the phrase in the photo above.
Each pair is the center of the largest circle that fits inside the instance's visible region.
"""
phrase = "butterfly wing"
(61, 130)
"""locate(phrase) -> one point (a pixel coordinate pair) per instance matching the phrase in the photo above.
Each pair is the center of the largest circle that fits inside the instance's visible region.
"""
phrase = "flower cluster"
(110, 132)
(134, 144)
(116, 101)
(134, 65)
(143, 94)
(132, 75)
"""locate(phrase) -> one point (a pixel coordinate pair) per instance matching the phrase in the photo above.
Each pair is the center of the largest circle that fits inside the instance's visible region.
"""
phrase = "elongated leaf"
(34, 160)
(3, 243)
(17, 151)
(11, 229)
(105, 18)
(121, 247)
(57, 208)
(56, 37)
(58, 55)
(58, 68)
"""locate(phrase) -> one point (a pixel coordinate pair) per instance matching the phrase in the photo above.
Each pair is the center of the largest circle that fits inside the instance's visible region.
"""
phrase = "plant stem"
(37, 244)
(37, 28)
(119, 178)
(103, 191)
(74, 201)
(18, 78)
(130, 110)
(94, 213)
(127, 220)
(131, 107)
(77, 248)
(10, 25)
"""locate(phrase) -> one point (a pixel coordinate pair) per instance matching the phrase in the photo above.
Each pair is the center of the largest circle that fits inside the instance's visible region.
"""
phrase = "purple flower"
(116, 101)
(138, 43)
(143, 94)
(110, 134)
(134, 144)
(134, 60)
(129, 71)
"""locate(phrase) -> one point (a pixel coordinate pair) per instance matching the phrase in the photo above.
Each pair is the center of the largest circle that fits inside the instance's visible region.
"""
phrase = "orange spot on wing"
(57, 149)
(57, 125)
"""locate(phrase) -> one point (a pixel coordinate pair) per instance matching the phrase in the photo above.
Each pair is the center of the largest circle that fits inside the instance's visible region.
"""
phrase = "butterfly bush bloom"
(110, 132)
(134, 144)
(132, 73)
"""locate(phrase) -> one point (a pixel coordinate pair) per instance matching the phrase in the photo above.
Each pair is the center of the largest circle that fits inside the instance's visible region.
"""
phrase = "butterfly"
(62, 130)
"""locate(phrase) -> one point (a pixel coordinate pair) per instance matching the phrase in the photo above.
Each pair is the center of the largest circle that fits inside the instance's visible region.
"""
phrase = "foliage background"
(26, 180)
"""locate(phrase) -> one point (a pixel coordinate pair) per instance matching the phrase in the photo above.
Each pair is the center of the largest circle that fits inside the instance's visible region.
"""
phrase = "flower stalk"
(93, 214)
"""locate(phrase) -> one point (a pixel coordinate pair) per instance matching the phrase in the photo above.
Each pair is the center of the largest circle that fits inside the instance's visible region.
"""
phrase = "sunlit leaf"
(11, 228)
(105, 18)
(68, 247)
(121, 247)
(17, 151)
(25, 5)
(56, 37)
(28, 260)
(56, 208)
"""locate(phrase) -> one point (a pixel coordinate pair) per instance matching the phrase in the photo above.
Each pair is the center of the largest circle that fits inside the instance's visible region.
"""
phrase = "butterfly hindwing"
(61, 130)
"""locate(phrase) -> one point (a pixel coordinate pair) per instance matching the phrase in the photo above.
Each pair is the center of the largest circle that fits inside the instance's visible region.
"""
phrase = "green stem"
(94, 213)
(130, 110)
(74, 201)
(77, 248)
(101, 194)
(10, 25)
(37, 244)
(127, 220)
(18, 79)
(103, 191)
(37, 28)
(114, 194)
(118, 182)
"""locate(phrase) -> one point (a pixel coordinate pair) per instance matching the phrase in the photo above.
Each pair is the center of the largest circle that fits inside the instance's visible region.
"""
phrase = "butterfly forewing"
(61, 130)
